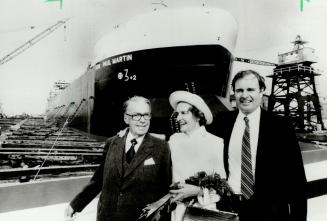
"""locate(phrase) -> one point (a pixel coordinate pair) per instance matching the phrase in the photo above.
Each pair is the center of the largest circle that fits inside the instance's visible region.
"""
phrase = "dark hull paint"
(153, 73)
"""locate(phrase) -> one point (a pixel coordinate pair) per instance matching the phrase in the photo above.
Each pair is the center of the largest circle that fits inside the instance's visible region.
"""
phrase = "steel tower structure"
(294, 93)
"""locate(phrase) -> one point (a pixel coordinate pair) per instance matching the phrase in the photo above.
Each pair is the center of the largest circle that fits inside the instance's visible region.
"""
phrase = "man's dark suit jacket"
(280, 182)
(125, 193)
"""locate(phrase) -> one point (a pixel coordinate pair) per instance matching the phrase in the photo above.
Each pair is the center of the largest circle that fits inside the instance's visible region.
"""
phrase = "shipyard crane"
(253, 61)
(52, 28)
(32, 41)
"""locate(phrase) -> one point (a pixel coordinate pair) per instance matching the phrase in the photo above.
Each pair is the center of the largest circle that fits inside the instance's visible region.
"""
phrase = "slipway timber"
(35, 149)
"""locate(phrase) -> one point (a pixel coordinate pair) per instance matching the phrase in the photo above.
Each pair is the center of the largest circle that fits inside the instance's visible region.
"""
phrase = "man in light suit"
(136, 169)
(273, 188)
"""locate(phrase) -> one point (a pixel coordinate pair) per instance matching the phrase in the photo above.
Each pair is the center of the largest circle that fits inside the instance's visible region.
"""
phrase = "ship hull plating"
(152, 55)
(153, 73)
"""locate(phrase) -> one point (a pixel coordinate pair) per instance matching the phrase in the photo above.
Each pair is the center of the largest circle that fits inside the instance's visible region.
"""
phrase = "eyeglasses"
(138, 117)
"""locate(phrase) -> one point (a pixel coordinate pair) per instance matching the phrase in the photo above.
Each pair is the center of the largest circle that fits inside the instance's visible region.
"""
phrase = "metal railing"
(294, 68)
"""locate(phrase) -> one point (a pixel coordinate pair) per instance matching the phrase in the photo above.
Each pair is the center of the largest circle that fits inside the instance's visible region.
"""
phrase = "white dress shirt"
(128, 143)
(235, 147)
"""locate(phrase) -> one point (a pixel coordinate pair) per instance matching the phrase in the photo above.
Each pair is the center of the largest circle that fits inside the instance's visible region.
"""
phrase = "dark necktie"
(247, 180)
(131, 152)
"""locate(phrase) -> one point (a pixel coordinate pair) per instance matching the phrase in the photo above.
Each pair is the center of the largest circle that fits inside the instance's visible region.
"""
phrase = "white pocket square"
(149, 161)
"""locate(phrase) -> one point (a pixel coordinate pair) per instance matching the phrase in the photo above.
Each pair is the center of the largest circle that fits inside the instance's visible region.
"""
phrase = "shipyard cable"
(54, 143)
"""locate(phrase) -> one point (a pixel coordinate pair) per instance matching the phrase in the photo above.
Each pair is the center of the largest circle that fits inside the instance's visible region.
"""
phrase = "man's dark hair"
(244, 73)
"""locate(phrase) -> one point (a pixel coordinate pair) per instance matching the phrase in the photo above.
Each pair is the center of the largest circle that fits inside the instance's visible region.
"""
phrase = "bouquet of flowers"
(217, 194)
(215, 202)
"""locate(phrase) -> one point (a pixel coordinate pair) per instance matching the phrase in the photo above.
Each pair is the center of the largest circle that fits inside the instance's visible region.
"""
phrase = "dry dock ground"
(45, 199)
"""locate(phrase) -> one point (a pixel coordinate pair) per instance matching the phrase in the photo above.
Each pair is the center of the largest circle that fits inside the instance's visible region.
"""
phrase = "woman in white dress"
(193, 149)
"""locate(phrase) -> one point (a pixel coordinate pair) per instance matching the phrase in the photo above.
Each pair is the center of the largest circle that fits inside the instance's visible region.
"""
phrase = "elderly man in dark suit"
(262, 157)
(136, 169)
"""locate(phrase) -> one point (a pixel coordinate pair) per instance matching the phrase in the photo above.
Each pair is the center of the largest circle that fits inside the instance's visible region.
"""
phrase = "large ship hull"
(153, 61)
(153, 73)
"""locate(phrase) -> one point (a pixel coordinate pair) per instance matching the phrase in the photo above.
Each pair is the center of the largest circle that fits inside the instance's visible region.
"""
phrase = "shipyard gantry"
(294, 93)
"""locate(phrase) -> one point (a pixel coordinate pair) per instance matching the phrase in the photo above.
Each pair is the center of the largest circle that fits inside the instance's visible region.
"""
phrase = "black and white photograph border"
(73, 43)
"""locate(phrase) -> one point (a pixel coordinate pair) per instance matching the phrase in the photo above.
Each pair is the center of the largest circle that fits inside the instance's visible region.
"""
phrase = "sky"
(265, 29)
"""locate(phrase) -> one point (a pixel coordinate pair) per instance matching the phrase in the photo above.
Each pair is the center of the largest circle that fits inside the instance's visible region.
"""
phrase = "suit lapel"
(230, 121)
(119, 151)
(144, 150)
(263, 132)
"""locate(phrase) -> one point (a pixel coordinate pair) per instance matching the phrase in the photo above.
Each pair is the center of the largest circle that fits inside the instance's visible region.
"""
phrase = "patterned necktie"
(247, 180)
(131, 152)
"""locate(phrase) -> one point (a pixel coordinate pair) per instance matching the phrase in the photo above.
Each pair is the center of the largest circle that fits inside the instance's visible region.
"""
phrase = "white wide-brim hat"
(193, 99)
